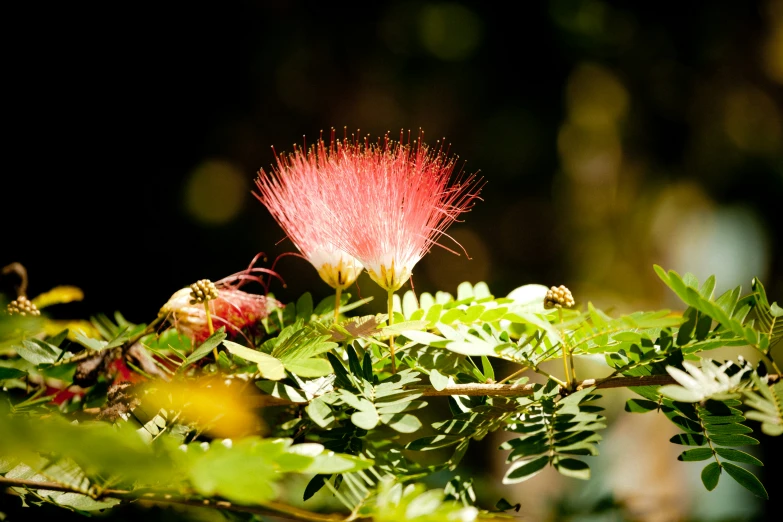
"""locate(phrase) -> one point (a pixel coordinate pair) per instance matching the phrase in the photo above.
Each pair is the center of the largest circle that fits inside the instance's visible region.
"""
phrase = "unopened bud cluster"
(558, 297)
(22, 306)
(203, 290)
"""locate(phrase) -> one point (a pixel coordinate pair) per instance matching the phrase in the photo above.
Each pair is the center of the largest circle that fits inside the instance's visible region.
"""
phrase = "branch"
(520, 390)
(505, 390)
(274, 509)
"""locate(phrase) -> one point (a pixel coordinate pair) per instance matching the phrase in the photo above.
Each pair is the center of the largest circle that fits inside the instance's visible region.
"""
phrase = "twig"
(515, 390)
(275, 509)
(512, 390)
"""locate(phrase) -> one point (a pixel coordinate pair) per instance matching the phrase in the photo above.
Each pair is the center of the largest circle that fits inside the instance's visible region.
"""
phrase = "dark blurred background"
(612, 136)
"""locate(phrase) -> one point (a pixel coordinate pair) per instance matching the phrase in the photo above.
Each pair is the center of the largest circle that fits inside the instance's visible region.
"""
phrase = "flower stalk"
(391, 336)
(337, 292)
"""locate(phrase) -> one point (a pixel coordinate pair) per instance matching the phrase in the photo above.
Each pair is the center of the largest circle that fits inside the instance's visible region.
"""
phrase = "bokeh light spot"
(751, 120)
(215, 192)
(772, 50)
(695, 235)
(595, 96)
(590, 157)
(449, 31)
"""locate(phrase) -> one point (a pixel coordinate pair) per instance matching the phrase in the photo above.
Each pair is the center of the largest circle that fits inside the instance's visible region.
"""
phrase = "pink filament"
(380, 202)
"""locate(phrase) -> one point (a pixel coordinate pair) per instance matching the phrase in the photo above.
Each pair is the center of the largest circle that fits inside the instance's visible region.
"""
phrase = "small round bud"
(559, 297)
(203, 290)
(22, 306)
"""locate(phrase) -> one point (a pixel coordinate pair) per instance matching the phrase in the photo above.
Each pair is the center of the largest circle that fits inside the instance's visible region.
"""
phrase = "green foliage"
(368, 401)
(98, 454)
(554, 431)
(766, 406)
(711, 430)
(151, 419)
(397, 502)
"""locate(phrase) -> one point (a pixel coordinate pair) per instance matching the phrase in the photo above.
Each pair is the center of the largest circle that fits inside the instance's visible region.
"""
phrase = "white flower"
(708, 382)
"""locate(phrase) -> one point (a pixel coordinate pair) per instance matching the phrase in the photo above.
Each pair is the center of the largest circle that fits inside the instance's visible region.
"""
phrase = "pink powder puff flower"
(299, 192)
(236, 310)
(400, 201)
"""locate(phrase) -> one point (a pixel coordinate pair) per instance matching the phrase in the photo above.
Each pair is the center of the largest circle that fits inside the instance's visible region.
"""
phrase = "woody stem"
(391, 336)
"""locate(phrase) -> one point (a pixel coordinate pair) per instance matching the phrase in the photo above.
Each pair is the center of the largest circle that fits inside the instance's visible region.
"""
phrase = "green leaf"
(240, 474)
(726, 429)
(404, 423)
(433, 442)
(746, 479)
(205, 348)
(270, 368)
(310, 368)
(426, 338)
(529, 298)
(89, 342)
(85, 503)
(471, 348)
(678, 393)
(452, 315)
(281, 391)
(57, 340)
(525, 469)
(687, 424)
(713, 421)
(486, 368)
(493, 314)
(399, 406)
(409, 304)
(38, 352)
(10, 373)
(710, 475)
(693, 455)
(366, 419)
(330, 462)
(399, 328)
(738, 456)
(320, 412)
(342, 377)
(464, 291)
(304, 307)
(315, 485)
(438, 380)
(505, 505)
(573, 468)
(733, 440)
(689, 439)
(640, 405)
(367, 372)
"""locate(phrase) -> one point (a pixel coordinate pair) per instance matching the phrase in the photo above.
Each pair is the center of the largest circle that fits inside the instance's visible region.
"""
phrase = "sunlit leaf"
(220, 409)
(58, 295)
(525, 469)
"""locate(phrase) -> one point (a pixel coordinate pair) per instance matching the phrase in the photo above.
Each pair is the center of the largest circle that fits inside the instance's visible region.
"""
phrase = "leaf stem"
(508, 378)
